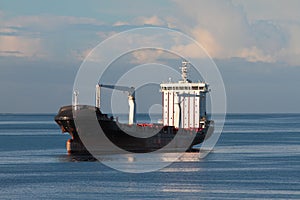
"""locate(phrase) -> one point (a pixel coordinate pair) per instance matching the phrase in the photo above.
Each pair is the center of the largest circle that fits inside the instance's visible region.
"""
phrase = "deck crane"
(131, 99)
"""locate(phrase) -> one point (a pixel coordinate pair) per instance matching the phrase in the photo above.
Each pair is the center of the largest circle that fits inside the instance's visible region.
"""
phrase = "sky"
(255, 45)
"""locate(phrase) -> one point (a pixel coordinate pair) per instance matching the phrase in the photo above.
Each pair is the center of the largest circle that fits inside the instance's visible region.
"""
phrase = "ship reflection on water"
(130, 161)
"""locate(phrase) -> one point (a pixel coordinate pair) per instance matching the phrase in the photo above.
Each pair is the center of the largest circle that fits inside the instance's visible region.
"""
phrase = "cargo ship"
(184, 120)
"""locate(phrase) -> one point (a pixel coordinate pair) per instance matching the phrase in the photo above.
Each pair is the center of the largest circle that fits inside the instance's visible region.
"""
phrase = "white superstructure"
(184, 103)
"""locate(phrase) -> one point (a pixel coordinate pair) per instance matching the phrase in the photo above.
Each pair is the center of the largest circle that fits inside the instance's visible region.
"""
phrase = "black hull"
(126, 137)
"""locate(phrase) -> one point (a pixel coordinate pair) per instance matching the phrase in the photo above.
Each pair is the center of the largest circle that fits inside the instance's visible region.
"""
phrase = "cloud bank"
(257, 31)
(255, 44)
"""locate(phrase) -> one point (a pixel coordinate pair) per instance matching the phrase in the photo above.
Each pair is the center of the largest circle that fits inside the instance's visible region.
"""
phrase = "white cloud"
(218, 25)
(257, 30)
(7, 30)
(146, 56)
(35, 36)
(225, 29)
(20, 46)
(153, 20)
(254, 54)
(192, 50)
(120, 23)
(207, 40)
(291, 54)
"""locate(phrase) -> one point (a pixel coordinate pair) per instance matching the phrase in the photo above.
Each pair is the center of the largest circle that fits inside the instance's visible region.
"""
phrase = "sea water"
(256, 157)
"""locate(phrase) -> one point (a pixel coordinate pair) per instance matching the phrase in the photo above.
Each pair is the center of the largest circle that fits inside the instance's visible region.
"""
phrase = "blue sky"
(254, 43)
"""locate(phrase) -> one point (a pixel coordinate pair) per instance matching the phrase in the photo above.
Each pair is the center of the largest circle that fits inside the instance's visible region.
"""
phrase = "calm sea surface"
(256, 157)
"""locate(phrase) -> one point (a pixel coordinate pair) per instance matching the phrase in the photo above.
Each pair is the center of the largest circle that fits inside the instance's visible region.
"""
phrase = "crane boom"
(131, 98)
(130, 90)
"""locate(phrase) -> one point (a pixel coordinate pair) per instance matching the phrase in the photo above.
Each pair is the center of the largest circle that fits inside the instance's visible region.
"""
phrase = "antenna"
(75, 98)
(184, 71)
